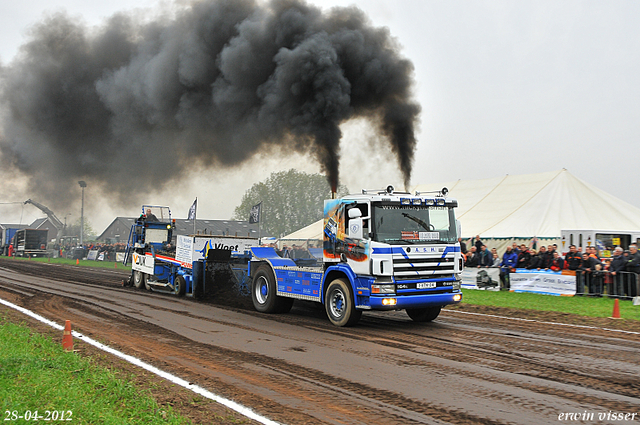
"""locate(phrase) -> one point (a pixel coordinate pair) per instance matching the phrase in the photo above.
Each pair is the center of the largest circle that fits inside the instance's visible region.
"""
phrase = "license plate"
(426, 285)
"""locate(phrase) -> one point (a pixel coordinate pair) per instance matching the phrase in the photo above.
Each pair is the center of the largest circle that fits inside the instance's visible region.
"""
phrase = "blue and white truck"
(381, 250)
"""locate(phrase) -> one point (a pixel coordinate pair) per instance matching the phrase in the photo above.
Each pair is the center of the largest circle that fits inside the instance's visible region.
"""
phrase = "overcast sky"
(506, 87)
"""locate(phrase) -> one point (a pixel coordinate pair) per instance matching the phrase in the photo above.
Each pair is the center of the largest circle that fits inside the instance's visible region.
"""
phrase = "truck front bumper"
(414, 301)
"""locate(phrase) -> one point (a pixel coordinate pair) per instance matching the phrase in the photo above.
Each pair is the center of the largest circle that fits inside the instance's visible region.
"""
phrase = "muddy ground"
(298, 369)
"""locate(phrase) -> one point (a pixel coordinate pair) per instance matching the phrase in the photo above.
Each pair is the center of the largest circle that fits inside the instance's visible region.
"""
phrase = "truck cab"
(150, 236)
(382, 250)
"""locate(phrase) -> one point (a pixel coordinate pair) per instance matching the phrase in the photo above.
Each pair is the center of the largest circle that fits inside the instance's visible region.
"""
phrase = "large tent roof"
(312, 231)
(539, 204)
(523, 206)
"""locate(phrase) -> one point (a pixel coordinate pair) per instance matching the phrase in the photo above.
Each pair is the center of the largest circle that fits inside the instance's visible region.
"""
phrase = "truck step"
(159, 285)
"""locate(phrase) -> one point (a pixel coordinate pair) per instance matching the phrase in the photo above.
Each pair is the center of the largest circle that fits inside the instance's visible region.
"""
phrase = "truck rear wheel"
(340, 306)
(263, 293)
(180, 286)
(424, 314)
(139, 279)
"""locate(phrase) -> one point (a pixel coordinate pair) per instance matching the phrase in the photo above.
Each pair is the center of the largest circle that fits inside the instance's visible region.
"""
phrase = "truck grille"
(407, 268)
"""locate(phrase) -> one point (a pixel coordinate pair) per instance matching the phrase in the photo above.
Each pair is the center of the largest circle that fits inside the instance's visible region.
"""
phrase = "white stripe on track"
(245, 411)
(544, 323)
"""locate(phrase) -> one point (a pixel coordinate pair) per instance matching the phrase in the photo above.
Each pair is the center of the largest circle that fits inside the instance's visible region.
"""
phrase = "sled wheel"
(180, 286)
(139, 279)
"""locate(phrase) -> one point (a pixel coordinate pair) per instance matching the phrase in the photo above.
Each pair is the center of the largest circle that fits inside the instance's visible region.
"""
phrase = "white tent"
(312, 231)
(517, 208)
(539, 205)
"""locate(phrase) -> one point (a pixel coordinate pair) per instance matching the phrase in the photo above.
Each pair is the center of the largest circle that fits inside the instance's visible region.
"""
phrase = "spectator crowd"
(595, 275)
(107, 250)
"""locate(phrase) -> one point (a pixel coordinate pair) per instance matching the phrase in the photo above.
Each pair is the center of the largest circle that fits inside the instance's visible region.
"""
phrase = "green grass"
(36, 374)
(67, 261)
(583, 306)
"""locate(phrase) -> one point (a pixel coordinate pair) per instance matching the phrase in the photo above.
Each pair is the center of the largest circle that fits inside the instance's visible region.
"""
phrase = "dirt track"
(299, 369)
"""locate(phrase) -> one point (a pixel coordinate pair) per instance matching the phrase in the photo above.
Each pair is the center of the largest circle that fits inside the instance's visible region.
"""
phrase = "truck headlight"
(456, 285)
(383, 289)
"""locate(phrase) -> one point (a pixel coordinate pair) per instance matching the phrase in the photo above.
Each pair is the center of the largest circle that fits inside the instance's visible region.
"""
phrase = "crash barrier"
(623, 285)
(520, 280)
(545, 282)
(604, 283)
(105, 255)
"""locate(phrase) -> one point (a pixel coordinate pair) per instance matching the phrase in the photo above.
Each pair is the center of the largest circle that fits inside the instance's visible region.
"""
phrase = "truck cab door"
(357, 242)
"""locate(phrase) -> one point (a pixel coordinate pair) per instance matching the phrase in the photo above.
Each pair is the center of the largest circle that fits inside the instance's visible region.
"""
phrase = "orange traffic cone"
(616, 310)
(77, 261)
(67, 340)
(115, 265)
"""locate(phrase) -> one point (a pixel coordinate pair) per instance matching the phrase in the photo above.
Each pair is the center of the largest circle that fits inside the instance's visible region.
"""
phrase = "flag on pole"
(254, 214)
(192, 210)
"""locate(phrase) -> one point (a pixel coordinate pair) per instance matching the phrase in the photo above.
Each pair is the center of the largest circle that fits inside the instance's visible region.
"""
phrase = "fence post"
(579, 283)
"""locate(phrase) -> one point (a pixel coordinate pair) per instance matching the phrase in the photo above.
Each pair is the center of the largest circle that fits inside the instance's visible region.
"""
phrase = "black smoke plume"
(134, 104)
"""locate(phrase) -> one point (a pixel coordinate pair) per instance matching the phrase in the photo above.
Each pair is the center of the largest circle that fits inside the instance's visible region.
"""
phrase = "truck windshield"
(408, 224)
(156, 213)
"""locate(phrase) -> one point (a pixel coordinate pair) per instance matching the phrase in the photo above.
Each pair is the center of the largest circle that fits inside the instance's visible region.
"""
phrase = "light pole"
(65, 223)
(82, 185)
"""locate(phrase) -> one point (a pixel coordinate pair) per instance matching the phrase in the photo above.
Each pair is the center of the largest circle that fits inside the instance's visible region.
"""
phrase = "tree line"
(290, 201)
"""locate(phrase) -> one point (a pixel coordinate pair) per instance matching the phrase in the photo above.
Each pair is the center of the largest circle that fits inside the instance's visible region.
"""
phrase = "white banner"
(92, 255)
(487, 279)
(190, 249)
(184, 245)
(119, 257)
(543, 282)
(143, 263)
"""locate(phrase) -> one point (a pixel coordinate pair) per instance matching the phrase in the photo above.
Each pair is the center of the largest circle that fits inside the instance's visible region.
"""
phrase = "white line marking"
(245, 411)
(544, 323)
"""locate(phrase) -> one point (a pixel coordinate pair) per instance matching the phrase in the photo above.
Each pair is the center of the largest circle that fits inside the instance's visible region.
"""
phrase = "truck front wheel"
(340, 306)
(263, 293)
(424, 314)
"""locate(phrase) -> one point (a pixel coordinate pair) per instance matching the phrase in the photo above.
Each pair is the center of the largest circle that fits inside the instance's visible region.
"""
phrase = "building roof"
(43, 223)
(40, 223)
(120, 227)
(13, 226)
